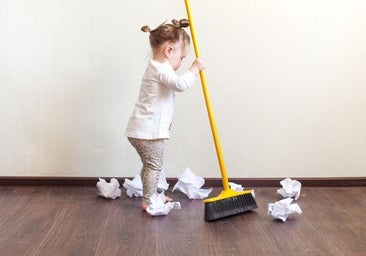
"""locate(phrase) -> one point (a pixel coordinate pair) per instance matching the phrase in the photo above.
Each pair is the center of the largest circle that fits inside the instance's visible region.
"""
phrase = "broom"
(228, 202)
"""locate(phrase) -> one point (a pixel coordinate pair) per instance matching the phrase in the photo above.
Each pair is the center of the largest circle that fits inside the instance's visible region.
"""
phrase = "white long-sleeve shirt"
(154, 108)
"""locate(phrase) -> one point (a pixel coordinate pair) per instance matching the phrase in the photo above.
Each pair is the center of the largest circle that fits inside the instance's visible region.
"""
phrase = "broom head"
(229, 202)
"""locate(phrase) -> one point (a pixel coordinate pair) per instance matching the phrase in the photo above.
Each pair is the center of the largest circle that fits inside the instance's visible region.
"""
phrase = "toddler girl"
(150, 121)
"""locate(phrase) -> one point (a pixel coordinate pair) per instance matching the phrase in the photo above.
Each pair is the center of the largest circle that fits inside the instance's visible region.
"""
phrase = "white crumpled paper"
(290, 188)
(239, 188)
(190, 184)
(236, 187)
(159, 206)
(108, 190)
(134, 187)
(283, 208)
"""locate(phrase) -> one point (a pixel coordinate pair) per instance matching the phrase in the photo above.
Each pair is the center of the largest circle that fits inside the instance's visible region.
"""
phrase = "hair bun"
(183, 23)
(145, 29)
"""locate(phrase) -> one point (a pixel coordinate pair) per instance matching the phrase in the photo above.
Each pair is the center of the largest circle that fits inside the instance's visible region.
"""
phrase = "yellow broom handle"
(225, 181)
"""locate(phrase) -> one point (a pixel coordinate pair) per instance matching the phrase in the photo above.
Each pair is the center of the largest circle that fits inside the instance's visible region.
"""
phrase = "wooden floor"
(75, 221)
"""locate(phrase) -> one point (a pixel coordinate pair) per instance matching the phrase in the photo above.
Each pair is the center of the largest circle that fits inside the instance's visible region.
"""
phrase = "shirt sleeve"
(179, 83)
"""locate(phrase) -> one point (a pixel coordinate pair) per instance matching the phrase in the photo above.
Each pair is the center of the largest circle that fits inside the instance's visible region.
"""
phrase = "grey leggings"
(151, 153)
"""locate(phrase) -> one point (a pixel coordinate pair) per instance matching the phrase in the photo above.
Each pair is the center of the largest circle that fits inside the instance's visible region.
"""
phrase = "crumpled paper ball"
(190, 184)
(290, 188)
(283, 208)
(236, 187)
(134, 187)
(159, 206)
(108, 190)
(239, 188)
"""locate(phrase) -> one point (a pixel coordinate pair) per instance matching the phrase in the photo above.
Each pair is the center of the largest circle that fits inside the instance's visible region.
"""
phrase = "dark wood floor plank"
(129, 231)
(295, 236)
(184, 232)
(75, 221)
(257, 233)
(235, 235)
(339, 217)
(79, 227)
(240, 235)
(11, 200)
(185, 238)
(35, 211)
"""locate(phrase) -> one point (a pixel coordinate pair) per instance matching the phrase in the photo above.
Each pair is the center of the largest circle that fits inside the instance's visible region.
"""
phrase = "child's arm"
(183, 82)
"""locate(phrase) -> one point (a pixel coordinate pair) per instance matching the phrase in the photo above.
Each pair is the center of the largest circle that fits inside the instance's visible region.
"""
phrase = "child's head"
(169, 41)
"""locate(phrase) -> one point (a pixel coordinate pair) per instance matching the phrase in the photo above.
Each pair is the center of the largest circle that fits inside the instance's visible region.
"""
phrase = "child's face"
(178, 53)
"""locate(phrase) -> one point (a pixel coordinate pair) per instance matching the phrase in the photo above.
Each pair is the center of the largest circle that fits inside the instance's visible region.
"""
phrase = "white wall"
(287, 81)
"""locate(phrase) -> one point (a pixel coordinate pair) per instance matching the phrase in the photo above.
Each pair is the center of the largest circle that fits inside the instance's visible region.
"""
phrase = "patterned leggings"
(151, 153)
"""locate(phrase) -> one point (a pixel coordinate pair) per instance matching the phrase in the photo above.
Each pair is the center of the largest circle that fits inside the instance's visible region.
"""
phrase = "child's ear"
(168, 50)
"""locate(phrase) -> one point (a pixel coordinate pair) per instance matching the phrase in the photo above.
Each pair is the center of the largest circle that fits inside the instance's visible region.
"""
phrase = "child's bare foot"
(144, 207)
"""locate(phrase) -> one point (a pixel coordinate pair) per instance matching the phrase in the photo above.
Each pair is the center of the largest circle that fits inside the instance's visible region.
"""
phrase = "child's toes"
(144, 207)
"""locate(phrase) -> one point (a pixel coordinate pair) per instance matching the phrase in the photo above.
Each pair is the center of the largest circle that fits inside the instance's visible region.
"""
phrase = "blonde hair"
(167, 33)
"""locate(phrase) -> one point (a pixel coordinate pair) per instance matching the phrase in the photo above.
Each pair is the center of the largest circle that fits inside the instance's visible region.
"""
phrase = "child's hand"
(197, 65)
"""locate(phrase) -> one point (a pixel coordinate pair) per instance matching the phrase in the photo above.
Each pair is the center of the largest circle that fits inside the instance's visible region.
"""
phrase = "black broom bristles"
(229, 206)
